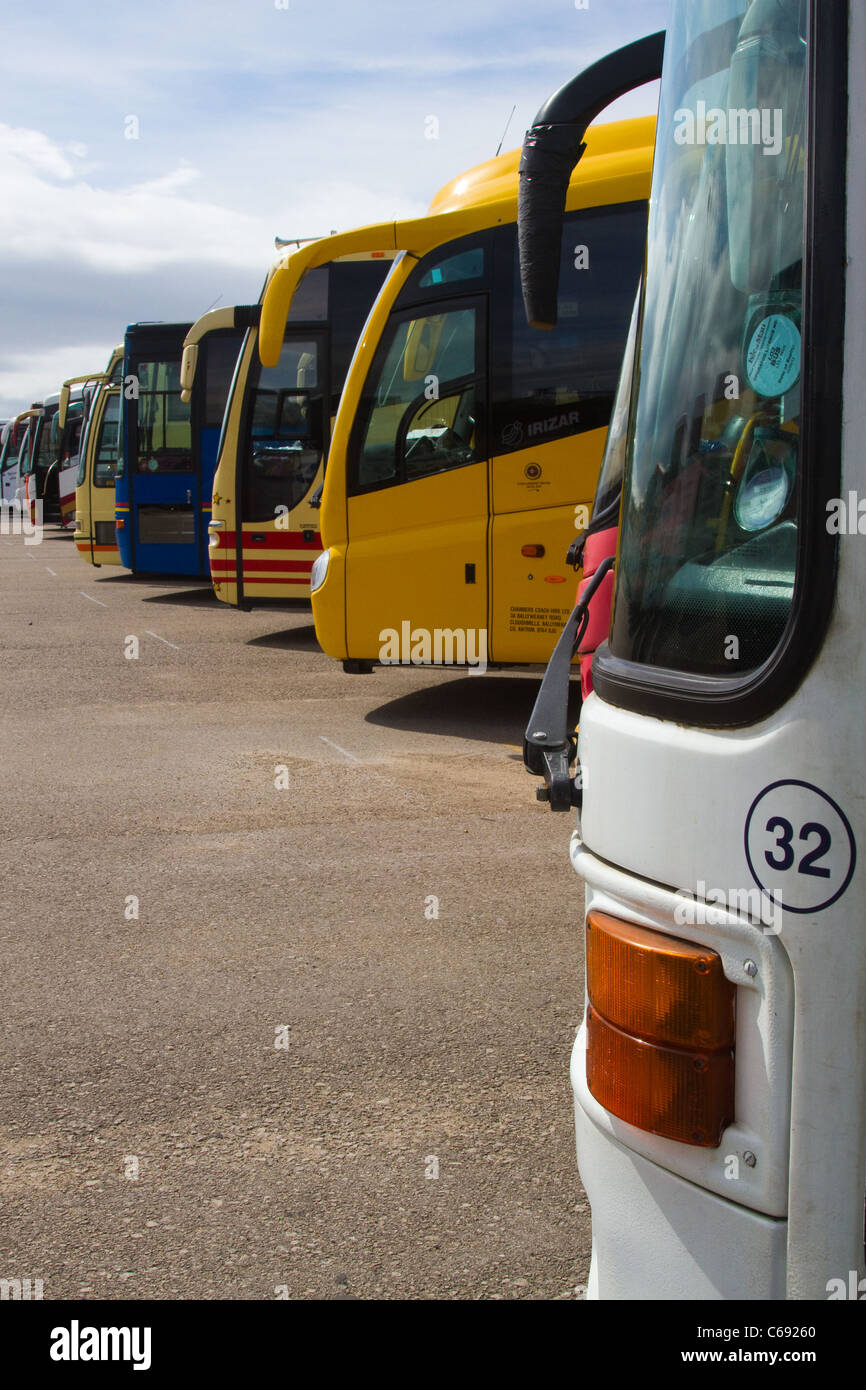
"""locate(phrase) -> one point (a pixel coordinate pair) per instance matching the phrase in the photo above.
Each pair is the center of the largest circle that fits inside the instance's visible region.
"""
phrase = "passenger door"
(103, 442)
(418, 486)
(9, 468)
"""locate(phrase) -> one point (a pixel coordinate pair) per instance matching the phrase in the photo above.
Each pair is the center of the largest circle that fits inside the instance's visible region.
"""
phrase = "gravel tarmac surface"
(284, 1077)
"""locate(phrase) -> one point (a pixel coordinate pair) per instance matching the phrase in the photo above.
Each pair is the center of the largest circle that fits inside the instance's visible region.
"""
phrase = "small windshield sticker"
(774, 355)
(799, 846)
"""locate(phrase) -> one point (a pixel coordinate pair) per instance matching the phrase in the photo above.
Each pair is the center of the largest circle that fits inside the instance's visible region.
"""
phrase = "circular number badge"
(799, 846)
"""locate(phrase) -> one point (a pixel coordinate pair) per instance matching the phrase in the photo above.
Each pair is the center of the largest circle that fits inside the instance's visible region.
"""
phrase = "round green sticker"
(774, 355)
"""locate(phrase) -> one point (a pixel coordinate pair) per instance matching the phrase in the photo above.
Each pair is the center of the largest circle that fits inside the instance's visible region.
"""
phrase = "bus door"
(286, 433)
(66, 446)
(25, 485)
(163, 512)
(552, 401)
(9, 464)
(418, 482)
(101, 452)
(219, 354)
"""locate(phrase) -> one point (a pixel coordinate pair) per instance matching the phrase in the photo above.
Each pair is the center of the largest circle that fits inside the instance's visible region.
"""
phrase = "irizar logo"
(554, 422)
(77, 1343)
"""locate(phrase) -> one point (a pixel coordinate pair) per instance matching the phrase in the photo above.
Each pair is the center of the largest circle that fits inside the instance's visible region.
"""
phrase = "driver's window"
(441, 434)
(420, 408)
(109, 444)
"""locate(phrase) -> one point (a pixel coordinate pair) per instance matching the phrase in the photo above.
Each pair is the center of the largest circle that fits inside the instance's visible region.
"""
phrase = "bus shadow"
(189, 598)
(493, 709)
(147, 581)
(294, 639)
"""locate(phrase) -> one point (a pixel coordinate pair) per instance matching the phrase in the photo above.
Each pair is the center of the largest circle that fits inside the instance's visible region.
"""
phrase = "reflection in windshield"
(709, 522)
(286, 431)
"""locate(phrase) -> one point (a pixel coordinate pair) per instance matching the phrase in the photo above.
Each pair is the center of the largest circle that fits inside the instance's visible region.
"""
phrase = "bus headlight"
(319, 572)
(213, 536)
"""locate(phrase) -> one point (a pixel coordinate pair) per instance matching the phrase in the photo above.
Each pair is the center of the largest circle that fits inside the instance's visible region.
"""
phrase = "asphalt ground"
(242, 1056)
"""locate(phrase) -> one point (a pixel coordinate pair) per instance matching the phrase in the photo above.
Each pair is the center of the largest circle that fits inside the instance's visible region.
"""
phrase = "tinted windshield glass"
(707, 554)
(608, 494)
(354, 286)
(220, 354)
(284, 430)
(164, 436)
(46, 451)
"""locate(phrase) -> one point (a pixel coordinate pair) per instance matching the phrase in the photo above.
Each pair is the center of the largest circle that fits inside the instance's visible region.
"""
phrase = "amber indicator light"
(532, 552)
(660, 1031)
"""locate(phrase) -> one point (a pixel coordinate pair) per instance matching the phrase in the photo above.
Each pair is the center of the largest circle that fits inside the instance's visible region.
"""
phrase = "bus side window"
(108, 445)
(562, 382)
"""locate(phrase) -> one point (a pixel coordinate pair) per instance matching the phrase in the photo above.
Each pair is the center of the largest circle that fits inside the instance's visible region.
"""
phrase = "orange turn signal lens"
(532, 552)
(660, 1031)
(656, 986)
(678, 1095)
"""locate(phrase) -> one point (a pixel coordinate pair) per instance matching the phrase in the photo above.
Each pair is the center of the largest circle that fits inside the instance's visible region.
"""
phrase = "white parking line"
(93, 600)
(160, 639)
(344, 751)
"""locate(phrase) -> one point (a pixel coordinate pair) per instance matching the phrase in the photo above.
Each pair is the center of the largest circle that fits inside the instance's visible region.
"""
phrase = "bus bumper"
(657, 1236)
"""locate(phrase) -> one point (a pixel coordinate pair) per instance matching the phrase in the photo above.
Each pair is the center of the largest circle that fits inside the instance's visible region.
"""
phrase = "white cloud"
(156, 222)
(24, 150)
(253, 122)
(33, 376)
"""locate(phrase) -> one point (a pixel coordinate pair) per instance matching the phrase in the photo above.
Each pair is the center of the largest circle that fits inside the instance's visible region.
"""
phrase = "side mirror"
(188, 364)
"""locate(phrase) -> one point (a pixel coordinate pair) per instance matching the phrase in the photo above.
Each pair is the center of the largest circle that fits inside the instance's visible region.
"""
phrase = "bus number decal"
(785, 831)
(799, 846)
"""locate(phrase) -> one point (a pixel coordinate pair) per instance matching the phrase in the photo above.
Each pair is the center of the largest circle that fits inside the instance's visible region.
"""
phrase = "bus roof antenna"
(505, 131)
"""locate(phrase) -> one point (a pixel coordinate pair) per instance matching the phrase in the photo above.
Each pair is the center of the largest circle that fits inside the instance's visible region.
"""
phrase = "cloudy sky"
(150, 150)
